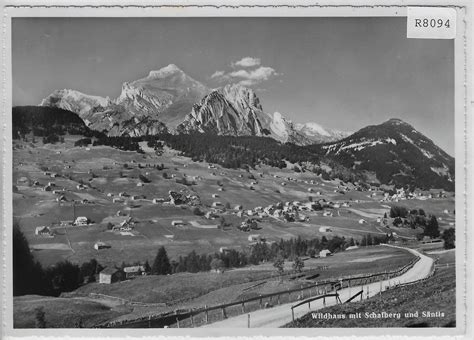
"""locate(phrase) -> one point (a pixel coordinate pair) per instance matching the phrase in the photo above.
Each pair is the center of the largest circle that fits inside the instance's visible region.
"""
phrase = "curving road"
(281, 315)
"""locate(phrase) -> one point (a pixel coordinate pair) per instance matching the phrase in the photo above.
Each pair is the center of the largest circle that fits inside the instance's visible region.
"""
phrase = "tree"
(64, 276)
(432, 228)
(279, 265)
(147, 267)
(217, 264)
(449, 238)
(197, 211)
(40, 321)
(28, 275)
(298, 265)
(397, 222)
(161, 265)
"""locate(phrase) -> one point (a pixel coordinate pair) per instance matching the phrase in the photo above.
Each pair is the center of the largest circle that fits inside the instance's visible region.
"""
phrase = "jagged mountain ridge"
(145, 106)
(397, 153)
(168, 98)
(232, 110)
(236, 110)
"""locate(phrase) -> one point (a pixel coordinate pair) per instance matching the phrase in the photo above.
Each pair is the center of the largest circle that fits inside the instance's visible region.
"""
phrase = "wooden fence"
(209, 314)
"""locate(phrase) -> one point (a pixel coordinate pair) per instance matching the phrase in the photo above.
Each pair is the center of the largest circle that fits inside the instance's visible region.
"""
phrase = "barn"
(43, 231)
(23, 181)
(100, 245)
(324, 230)
(177, 223)
(110, 275)
(133, 271)
(324, 253)
(81, 220)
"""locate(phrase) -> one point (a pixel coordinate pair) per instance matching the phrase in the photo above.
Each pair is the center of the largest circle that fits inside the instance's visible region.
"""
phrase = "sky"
(342, 73)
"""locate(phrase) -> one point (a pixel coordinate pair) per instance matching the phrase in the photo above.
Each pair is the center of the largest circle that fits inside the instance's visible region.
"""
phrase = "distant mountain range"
(170, 100)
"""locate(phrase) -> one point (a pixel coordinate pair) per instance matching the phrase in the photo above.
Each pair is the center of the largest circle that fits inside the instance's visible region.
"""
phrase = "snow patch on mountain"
(357, 146)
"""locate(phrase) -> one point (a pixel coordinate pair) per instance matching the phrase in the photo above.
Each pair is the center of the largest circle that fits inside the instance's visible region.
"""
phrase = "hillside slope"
(43, 121)
(397, 153)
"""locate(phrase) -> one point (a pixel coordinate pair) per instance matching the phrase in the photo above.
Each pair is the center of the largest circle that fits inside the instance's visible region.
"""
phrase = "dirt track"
(281, 315)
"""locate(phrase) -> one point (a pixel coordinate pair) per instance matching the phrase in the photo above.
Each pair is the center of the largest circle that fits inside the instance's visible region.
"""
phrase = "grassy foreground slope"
(63, 312)
(437, 294)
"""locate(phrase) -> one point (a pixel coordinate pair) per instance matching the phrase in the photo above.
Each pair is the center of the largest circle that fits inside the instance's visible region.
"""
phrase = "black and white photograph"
(234, 172)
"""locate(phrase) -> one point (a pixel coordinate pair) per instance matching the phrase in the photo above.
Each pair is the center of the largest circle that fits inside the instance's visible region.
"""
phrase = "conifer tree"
(161, 265)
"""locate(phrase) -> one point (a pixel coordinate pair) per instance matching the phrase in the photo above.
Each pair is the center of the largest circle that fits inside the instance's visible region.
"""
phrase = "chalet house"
(303, 218)
(126, 224)
(133, 271)
(224, 250)
(210, 215)
(80, 187)
(23, 181)
(101, 245)
(81, 220)
(254, 238)
(216, 204)
(215, 195)
(158, 200)
(110, 275)
(117, 200)
(61, 198)
(123, 194)
(47, 188)
(324, 230)
(238, 207)
(177, 223)
(362, 221)
(324, 253)
(43, 231)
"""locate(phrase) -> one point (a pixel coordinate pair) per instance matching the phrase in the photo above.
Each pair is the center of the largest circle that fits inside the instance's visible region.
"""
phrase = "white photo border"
(464, 142)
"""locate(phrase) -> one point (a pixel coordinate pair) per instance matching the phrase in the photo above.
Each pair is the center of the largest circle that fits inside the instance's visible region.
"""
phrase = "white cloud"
(253, 77)
(218, 74)
(246, 77)
(247, 62)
